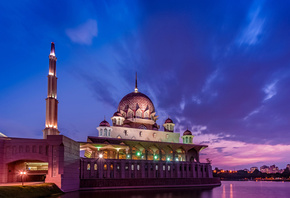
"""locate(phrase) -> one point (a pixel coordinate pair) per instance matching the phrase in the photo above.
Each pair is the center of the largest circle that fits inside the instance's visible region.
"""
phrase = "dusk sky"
(220, 68)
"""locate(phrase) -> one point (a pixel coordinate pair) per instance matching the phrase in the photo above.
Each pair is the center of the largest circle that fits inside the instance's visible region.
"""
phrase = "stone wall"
(141, 134)
(145, 182)
(112, 168)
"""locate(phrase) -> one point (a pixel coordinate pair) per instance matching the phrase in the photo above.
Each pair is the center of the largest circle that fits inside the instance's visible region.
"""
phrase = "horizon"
(222, 70)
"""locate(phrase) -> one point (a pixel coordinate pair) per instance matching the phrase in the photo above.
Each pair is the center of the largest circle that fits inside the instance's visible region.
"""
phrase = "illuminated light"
(52, 54)
(50, 125)
(100, 155)
(51, 74)
(168, 159)
(176, 159)
(128, 156)
(23, 173)
(98, 147)
(138, 153)
(155, 156)
(118, 149)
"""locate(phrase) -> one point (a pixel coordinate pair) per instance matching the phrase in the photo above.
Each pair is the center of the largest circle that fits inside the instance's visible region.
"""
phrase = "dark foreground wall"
(116, 183)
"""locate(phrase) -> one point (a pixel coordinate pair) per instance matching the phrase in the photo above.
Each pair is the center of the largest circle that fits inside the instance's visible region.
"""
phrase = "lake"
(228, 189)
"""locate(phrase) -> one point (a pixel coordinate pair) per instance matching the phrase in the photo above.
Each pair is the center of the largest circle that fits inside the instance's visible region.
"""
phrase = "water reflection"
(229, 189)
(224, 191)
(144, 193)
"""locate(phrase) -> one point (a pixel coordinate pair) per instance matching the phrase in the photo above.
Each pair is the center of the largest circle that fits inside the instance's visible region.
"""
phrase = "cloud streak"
(84, 33)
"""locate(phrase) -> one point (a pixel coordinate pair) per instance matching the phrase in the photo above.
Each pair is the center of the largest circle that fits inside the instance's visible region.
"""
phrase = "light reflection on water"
(229, 189)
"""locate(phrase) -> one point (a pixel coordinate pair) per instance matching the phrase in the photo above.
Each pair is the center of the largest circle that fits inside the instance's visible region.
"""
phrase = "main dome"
(135, 101)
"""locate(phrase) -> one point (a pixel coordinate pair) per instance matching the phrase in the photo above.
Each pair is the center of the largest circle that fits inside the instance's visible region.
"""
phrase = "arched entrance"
(35, 170)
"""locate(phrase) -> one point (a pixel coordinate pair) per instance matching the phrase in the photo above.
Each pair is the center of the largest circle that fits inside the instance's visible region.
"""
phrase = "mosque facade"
(134, 151)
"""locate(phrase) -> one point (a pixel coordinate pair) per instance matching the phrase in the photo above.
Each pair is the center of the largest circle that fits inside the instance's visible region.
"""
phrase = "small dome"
(168, 120)
(187, 132)
(117, 113)
(105, 123)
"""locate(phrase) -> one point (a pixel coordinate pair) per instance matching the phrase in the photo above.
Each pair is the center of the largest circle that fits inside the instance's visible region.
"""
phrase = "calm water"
(228, 189)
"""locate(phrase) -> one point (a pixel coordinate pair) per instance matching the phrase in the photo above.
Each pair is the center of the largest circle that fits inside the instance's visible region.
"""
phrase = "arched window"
(46, 150)
(101, 132)
(105, 132)
(95, 166)
(119, 137)
(105, 167)
(186, 140)
(119, 121)
(138, 167)
(132, 167)
(20, 149)
(112, 167)
(88, 166)
(109, 132)
(14, 150)
(27, 149)
(40, 149)
(34, 149)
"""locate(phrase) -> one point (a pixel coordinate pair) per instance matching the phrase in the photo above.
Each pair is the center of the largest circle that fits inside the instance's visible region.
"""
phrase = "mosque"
(132, 152)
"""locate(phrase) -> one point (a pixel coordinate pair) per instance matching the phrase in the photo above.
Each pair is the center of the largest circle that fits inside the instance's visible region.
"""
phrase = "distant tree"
(242, 173)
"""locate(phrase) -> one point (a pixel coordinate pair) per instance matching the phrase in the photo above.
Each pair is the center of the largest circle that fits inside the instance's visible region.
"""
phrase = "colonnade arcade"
(141, 150)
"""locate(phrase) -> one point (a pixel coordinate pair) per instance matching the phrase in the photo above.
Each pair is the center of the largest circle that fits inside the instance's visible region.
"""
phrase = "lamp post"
(22, 173)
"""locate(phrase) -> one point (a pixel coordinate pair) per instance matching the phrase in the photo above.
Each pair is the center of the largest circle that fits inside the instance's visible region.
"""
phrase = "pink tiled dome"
(105, 123)
(135, 101)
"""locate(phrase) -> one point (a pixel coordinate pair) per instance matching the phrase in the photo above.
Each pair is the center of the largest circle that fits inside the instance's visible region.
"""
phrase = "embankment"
(38, 190)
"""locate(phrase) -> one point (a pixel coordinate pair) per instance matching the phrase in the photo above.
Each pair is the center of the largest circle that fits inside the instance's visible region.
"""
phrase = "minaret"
(136, 88)
(51, 101)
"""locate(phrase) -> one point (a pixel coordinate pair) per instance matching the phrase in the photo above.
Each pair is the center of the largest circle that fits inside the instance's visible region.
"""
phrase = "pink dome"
(187, 132)
(117, 113)
(168, 120)
(135, 101)
(104, 123)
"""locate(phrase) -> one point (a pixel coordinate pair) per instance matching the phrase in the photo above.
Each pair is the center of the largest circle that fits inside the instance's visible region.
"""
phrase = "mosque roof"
(187, 132)
(117, 113)
(168, 120)
(104, 123)
(135, 101)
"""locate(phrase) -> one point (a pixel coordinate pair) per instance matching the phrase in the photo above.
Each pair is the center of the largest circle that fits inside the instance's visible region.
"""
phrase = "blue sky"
(220, 68)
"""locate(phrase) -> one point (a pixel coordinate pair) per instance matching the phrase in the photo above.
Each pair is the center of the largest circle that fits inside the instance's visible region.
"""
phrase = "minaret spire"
(51, 101)
(136, 88)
